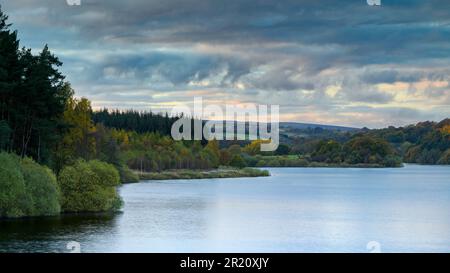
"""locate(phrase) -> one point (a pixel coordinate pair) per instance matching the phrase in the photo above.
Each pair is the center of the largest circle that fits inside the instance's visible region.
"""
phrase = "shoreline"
(202, 174)
(343, 166)
(258, 171)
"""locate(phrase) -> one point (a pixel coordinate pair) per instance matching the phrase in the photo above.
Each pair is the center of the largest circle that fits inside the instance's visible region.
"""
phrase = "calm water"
(295, 210)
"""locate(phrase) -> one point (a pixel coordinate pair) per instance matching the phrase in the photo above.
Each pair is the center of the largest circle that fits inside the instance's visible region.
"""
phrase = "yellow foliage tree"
(79, 141)
(446, 130)
(254, 147)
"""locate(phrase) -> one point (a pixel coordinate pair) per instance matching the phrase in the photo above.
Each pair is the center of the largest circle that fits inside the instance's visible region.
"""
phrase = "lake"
(295, 210)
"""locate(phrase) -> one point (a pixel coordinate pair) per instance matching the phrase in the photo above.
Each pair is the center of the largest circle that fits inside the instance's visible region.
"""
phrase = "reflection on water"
(51, 234)
(294, 210)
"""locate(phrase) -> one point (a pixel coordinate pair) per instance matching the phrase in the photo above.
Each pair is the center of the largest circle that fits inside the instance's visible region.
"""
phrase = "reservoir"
(295, 210)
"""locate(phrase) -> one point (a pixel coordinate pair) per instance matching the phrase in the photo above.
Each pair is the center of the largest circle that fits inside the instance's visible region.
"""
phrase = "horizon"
(383, 66)
(281, 121)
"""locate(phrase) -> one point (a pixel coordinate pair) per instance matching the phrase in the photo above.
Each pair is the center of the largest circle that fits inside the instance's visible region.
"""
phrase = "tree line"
(423, 143)
(42, 125)
(137, 121)
(33, 95)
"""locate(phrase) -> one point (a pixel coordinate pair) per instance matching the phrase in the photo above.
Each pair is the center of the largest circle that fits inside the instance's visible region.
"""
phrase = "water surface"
(294, 210)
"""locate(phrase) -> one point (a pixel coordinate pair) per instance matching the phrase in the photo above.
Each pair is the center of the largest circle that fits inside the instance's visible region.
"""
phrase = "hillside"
(296, 125)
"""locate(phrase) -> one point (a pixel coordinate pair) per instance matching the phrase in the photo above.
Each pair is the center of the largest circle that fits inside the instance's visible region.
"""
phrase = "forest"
(45, 165)
(422, 143)
(59, 156)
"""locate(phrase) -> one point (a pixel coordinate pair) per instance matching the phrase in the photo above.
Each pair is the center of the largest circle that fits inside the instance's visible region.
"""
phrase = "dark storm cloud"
(397, 25)
(260, 46)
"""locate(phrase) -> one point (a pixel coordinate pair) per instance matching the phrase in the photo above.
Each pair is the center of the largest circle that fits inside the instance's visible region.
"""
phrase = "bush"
(26, 188)
(367, 150)
(282, 149)
(107, 174)
(327, 151)
(238, 162)
(42, 188)
(299, 162)
(14, 200)
(127, 175)
(274, 163)
(250, 172)
(392, 161)
(261, 163)
(445, 158)
(89, 187)
(250, 161)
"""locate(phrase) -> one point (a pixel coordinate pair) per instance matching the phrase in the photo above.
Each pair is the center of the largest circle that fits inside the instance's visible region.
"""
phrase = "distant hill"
(296, 125)
(304, 126)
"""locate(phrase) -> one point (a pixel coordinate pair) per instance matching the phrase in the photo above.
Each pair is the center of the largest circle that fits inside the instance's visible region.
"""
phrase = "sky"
(330, 62)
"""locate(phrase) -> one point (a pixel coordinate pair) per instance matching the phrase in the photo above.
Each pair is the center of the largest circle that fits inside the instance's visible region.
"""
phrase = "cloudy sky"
(337, 62)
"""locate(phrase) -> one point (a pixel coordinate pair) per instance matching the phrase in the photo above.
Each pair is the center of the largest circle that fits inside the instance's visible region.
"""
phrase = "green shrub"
(250, 172)
(41, 187)
(238, 162)
(14, 200)
(274, 163)
(261, 163)
(89, 187)
(445, 158)
(392, 161)
(250, 161)
(283, 149)
(127, 175)
(109, 176)
(368, 150)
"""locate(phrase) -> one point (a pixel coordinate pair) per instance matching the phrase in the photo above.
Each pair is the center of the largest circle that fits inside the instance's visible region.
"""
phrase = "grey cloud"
(387, 76)
(370, 97)
(392, 76)
(270, 46)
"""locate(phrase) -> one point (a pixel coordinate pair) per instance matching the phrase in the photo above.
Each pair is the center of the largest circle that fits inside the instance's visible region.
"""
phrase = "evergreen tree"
(10, 73)
(32, 97)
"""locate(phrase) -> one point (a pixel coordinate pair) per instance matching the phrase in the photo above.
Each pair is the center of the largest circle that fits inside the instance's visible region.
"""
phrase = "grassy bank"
(302, 162)
(346, 165)
(202, 174)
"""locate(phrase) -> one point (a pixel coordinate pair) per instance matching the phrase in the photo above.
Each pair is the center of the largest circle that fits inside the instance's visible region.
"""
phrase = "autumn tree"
(79, 139)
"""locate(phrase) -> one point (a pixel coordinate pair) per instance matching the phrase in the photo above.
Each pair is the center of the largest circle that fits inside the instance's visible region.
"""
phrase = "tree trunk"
(39, 148)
